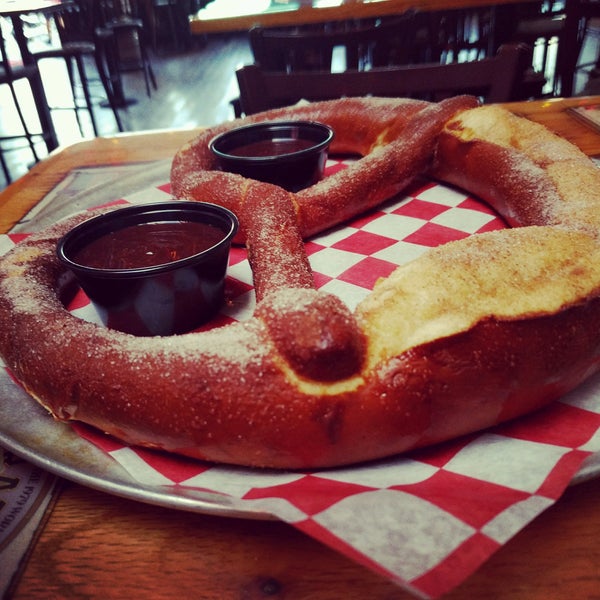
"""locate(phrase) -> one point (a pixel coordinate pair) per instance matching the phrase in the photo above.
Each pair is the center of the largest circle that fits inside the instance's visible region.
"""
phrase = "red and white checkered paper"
(428, 519)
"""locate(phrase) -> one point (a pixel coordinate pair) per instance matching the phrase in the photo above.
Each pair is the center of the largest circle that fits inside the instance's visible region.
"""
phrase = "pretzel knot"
(468, 335)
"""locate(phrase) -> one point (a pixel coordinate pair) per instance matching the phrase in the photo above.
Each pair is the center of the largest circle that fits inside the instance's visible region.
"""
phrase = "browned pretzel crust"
(471, 334)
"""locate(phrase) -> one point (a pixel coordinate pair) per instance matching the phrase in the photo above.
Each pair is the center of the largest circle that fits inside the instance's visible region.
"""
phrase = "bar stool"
(128, 48)
(9, 75)
(75, 52)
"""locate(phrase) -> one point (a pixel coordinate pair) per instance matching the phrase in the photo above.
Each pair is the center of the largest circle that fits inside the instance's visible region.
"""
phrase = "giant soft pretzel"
(469, 335)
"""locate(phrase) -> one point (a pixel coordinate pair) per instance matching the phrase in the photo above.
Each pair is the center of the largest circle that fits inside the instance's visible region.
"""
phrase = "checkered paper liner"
(427, 519)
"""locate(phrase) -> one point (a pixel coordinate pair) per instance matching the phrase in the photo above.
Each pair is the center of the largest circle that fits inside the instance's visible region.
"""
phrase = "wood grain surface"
(101, 546)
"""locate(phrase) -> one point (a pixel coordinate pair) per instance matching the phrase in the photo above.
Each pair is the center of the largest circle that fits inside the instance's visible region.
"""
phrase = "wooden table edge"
(309, 15)
(126, 148)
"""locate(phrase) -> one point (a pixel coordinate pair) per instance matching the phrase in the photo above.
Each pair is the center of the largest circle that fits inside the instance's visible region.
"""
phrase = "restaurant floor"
(194, 88)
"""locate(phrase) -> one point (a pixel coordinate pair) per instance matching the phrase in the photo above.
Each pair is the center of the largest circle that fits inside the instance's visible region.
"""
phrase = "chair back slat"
(494, 79)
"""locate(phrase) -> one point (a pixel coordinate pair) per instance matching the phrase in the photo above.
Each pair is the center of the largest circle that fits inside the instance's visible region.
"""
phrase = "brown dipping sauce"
(276, 147)
(148, 245)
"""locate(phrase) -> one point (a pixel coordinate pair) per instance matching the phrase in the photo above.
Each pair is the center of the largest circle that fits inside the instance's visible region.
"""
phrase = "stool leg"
(148, 72)
(152, 78)
(5, 167)
(107, 87)
(86, 91)
(69, 65)
(147, 65)
(106, 53)
(170, 8)
(28, 134)
(147, 81)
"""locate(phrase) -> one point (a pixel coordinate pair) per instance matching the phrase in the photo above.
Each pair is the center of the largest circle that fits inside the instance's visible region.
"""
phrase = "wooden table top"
(212, 20)
(96, 545)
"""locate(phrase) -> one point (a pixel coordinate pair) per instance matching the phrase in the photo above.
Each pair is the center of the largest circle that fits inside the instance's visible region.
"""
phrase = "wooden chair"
(459, 35)
(412, 37)
(495, 79)
(381, 42)
(311, 48)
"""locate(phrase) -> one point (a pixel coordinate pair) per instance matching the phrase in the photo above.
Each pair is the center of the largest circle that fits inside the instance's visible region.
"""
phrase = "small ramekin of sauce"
(291, 154)
(153, 269)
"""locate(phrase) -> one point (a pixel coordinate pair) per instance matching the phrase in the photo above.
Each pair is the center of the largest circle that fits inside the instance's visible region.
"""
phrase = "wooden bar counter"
(213, 20)
(96, 545)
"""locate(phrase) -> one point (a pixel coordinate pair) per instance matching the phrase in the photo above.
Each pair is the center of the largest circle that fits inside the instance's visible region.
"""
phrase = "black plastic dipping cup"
(291, 154)
(153, 269)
